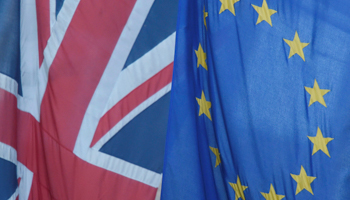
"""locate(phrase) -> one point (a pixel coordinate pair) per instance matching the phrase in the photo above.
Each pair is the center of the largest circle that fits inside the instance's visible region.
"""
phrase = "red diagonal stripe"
(59, 174)
(43, 21)
(8, 118)
(79, 64)
(46, 148)
(132, 100)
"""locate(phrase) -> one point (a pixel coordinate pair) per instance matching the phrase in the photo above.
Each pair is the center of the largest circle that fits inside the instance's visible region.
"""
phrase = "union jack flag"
(84, 92)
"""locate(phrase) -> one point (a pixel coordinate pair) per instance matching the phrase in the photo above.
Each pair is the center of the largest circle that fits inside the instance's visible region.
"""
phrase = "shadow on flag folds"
(259, 106)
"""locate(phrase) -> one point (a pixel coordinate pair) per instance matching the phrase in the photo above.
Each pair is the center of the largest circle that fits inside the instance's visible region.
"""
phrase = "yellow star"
(296, 47)
(217, 154)
(272, 194)
(316, 94)
(238, 188)
(264, 13)
(228, 5)
(201, 57)
(205, 14)
(303, 181)
(204, 106)
(320, 143)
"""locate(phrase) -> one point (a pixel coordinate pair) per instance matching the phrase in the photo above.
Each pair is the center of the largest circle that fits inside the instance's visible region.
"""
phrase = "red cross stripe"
(53, 127)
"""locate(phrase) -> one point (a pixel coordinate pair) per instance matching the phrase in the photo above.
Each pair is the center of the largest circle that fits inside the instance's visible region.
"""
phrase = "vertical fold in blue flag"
(259, 108)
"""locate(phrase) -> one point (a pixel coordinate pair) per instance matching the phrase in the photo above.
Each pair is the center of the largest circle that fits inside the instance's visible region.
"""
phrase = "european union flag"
(260, 105)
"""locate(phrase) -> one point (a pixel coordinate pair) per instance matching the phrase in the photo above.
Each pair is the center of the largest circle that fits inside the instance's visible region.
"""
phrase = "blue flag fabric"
(260, 101)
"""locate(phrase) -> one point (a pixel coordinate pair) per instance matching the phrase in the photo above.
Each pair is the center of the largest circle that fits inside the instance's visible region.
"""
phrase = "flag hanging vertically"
(259, 106)
(84, 92)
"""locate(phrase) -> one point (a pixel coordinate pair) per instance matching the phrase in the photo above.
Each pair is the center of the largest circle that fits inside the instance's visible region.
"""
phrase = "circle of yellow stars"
(316, 95)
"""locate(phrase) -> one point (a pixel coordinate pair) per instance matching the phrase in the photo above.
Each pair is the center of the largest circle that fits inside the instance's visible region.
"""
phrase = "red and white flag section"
(84, 92)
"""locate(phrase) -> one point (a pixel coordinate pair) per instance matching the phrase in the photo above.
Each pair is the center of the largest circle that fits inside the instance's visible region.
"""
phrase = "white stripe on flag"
(29, 59)
(57, 33)
(124, 168)
(142, 69)
(131, 115)
(9, 153)
(8, 84)
(103, 91)
(34, 80)
(26, 181)
(100, 98)
(52, 13)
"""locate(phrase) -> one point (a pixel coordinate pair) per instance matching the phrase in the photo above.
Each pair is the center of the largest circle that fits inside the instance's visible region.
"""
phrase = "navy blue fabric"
(142, 140)
(154, 29)
(8, 179)
(10, 40)
(59, 4)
